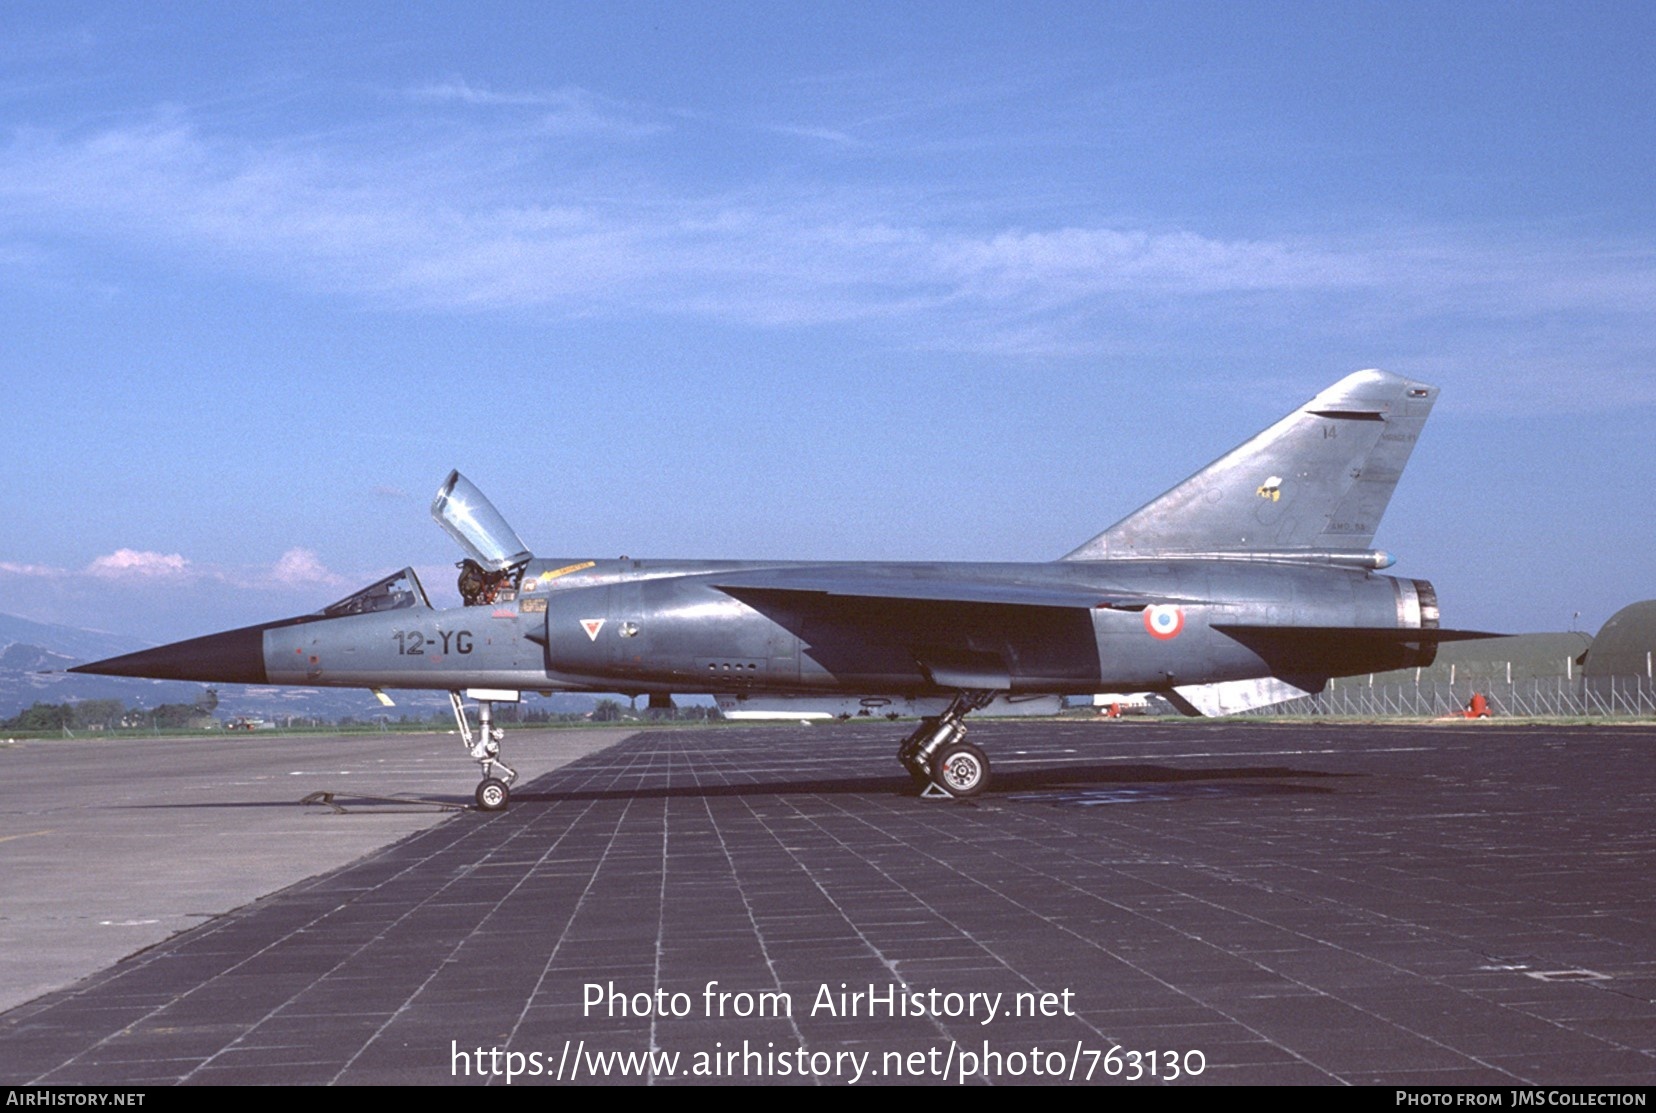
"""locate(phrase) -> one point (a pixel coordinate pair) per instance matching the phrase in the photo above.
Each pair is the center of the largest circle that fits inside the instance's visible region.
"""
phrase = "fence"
(1555, 697)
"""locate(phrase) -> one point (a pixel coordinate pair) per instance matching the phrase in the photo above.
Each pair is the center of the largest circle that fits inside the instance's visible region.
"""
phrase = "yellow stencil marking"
(565, 570)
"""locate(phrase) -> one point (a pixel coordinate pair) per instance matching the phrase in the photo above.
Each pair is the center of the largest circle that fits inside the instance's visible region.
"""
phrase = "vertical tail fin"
(1317, 481)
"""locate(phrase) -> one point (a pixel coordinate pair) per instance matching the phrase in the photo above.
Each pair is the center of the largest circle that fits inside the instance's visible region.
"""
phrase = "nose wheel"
(493, 795)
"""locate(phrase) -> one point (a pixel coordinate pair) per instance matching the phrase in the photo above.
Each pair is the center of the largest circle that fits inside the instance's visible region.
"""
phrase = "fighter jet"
(1251, 582)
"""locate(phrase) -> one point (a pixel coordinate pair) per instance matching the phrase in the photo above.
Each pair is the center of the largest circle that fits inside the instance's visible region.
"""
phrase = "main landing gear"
(939, 759)
(484, 747)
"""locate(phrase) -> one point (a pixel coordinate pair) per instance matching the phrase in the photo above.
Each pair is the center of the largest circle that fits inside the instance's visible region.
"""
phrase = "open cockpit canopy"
(471, 519)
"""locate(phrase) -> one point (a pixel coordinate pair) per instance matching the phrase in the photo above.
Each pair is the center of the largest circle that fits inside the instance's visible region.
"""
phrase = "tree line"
(112, 714)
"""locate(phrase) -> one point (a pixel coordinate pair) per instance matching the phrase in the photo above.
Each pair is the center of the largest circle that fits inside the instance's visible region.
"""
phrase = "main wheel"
(492, 795)
(961, 769)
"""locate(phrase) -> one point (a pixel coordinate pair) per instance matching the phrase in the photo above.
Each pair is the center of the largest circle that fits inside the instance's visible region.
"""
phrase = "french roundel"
(1164, 621)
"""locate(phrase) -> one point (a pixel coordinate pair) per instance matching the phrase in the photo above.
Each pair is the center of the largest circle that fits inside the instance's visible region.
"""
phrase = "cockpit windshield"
(390, 594)
(472, 520)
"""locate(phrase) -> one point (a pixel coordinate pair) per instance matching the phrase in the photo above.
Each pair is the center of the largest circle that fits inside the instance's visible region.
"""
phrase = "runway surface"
(109, 845)
(1231, 904)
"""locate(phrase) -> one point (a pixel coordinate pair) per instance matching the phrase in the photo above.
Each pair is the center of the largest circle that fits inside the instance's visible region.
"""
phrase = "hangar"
(1619, 675)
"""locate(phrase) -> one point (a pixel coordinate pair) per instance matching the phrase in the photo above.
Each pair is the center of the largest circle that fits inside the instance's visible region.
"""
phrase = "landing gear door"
(472, 520)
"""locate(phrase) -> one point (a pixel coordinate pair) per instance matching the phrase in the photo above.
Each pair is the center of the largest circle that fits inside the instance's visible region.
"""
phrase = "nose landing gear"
(494, 792)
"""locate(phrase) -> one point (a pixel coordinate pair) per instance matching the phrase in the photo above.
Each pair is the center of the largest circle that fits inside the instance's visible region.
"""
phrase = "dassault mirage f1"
(1251, 582)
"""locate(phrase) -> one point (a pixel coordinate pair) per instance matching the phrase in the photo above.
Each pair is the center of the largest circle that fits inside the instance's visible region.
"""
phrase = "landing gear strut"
(484, 747)
(939, 759)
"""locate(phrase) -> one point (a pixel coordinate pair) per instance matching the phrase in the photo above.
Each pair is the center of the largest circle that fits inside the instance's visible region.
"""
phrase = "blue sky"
(932, 281)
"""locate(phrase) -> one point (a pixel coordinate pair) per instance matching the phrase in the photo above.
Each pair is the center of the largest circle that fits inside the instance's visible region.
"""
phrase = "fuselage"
(666, 626)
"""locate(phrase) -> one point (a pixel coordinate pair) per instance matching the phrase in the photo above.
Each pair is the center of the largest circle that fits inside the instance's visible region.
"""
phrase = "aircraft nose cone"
(233, 657)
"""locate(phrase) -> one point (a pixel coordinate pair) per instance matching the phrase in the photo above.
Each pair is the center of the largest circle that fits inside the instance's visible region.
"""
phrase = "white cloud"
(469, 228)
(296, 568)
(568, 111)
(301, 567)
(137, 564)
(1072, 264)
(40, 570)
(164, 595)
(826, 135)
(456, 89)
